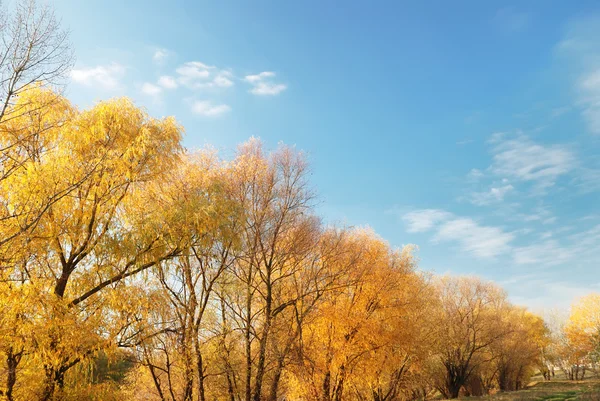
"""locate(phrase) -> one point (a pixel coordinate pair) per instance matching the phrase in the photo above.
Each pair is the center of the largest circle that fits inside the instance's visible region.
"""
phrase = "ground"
(555, 390)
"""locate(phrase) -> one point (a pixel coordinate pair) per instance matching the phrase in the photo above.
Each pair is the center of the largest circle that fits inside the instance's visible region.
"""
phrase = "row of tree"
(214, 279)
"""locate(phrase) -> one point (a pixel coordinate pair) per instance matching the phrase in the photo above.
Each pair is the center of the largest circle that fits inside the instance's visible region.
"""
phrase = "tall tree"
(470, 321)
(104, 231)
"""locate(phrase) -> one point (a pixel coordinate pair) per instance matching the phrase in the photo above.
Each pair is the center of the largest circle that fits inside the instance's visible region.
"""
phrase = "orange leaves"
(583, 327)
(75, 221)
(368, 333)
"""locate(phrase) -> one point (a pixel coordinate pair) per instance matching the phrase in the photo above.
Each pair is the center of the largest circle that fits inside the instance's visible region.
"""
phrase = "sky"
(470, 128)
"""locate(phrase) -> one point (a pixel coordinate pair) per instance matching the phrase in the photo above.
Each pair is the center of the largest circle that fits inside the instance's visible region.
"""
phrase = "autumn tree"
(34, 52)
(516, 356)
(103, 232)
(470, 321)
(278, 237)
(580, 340)
(365, 337)
(172, 349)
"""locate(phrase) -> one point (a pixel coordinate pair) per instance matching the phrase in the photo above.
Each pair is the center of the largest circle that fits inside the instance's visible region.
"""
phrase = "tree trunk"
(276, 379)
(262, 353)
(54, 378)
(200, 369)
(247, 338)
(12, 361)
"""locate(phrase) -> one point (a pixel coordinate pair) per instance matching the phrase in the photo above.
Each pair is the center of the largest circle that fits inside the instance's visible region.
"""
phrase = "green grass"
(557, 390)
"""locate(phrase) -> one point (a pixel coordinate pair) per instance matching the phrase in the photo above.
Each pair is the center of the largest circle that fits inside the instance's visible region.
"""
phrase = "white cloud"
(588, 240)
(425, 219)
(160, 55)
(581, 51)
(105, 77)
(208, 109)
(259, 77)
(589, 88)
(167, 82)
(192, 72)
(151, 89)
(581, 247)
(263, 85)
(482, 241)
(223, 80)
(264, 88)
(547, 253)
(196, 75)
(494, 195)
(523, 159)
(475, 175)
(539, 214)
(588, 179)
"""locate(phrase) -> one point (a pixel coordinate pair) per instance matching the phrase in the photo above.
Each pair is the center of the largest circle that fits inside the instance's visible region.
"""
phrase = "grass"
(556, 390)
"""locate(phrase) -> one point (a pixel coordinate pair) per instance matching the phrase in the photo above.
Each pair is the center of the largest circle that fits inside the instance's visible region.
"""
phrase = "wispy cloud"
(523, 159)
(587, 179)
(263, 85)
(222, 80)
(197, 75)
(208, 109)
(481, 241)
(192, 72)
(547, 253)
(581, 246)
(475, 175)
(589, 89)
(259, 77)
(581, 51)
(493, 195)
(160, 55)
(106, 77)
(484, 242)
(538, 214)
(424, 220)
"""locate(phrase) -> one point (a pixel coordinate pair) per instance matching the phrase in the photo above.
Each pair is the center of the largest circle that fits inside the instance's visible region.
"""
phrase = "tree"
(582, 334)
(365, 336)
(278, 236)
(189, 281)
(34, 53)
(108, 228)
(33, 49)
(516, 355)
(470, 321)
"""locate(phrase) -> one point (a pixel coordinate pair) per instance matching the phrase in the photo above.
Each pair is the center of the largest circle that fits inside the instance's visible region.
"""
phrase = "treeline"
(206, 279)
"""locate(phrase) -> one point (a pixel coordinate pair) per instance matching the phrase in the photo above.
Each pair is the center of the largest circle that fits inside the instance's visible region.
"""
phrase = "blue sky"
(471, 129)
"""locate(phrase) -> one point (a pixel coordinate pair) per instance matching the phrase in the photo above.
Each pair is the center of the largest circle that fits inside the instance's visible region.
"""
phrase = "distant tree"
(582, 334)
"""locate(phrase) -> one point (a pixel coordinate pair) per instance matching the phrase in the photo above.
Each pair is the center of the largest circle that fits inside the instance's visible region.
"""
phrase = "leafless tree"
(33, 48)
